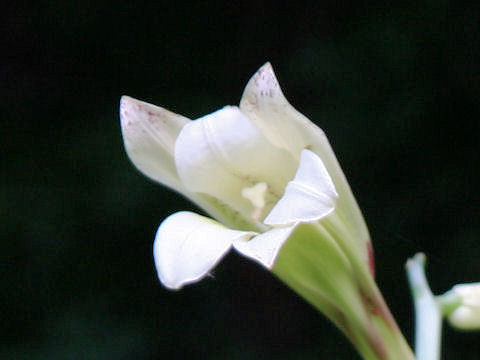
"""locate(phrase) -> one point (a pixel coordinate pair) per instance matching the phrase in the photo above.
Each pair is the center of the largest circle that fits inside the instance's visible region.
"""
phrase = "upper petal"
(149, 134)
(222, 153)
(264, 103)
(310, 196)
(187, 246)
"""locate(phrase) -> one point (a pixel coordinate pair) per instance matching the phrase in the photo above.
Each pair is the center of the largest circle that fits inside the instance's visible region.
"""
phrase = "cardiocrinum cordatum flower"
(275, 192)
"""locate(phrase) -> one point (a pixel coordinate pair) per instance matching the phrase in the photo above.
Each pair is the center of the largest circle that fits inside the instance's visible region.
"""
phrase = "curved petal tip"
(263, 84)
(149, 134)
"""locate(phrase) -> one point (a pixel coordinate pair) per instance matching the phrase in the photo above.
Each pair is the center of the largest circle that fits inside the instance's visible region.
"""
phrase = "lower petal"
(187, 246)
(264, 248)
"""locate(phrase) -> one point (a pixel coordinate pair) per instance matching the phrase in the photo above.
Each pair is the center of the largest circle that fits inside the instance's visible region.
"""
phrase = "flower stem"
(428, 315)
(383, 329)
(313, 264)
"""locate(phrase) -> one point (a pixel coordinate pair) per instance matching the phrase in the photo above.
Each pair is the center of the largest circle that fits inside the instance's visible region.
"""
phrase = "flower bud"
(466, 315)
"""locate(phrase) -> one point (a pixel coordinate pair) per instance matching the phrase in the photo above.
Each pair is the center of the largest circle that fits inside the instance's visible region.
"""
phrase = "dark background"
(394, 85)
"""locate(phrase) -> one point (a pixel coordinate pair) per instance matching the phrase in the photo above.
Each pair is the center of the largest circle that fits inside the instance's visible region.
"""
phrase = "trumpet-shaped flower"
(275, 192)
(260, 168)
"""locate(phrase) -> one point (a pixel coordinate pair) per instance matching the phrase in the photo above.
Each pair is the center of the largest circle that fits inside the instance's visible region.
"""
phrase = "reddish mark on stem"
(371, 259)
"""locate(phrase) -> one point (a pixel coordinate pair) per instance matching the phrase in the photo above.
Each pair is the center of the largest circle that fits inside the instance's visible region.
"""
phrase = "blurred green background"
(395, 87)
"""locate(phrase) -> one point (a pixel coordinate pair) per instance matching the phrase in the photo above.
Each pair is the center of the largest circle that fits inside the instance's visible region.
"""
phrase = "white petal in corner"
(264, 247)
(149, 134)
(310, 196)
(187, 246)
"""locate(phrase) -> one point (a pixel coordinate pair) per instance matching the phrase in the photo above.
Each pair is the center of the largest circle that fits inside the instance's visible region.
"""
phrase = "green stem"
(428, 315)
(383, 323)
(314, 265)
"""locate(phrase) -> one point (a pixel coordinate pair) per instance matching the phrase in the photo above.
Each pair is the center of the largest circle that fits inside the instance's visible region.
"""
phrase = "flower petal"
(310, 196)
(222, 153)
(264, 248)
(149, 134)
(187, 246)
(264, 103)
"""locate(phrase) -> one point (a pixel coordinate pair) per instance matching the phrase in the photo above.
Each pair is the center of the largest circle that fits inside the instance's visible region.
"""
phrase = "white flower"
(270, 179)
(466, 315)
(260, 169)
